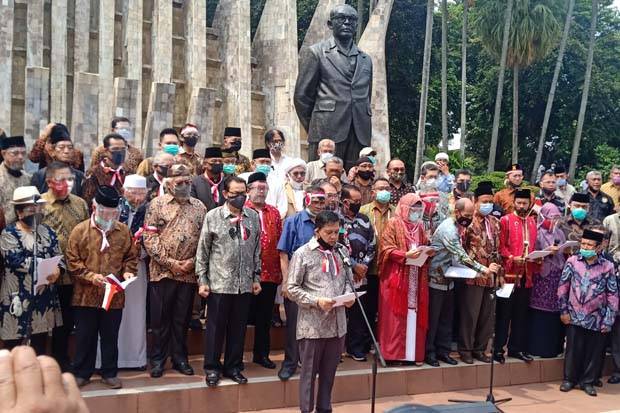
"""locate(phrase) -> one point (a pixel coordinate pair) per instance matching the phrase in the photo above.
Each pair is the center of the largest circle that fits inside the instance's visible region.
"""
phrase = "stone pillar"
(81, 36)
(275, 48)
(36, 105)
(34, 39)
(6, 63)
(106, 64)
(162, 42)
(195, 45)
(160, 114)
(85, 124)
(126, 95)
(318, 29)
(373, 43)
(232, 19)
(132, 58)
(201, 112)
(58, 79)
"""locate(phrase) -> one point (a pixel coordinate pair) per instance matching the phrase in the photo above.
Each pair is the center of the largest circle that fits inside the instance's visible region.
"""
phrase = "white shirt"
(278, 166)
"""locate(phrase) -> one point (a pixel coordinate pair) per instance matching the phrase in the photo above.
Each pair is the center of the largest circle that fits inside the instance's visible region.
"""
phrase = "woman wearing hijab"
(403, 291)
(546, 335)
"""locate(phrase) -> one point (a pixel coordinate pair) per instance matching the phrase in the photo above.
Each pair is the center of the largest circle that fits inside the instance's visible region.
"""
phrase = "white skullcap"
(294, 163)
(134, 181)
(367, 151)
(442, 155)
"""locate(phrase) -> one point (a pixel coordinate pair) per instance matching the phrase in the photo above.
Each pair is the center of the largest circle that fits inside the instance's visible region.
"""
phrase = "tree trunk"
(360, 19)
(500, 86)
(444, 75)
(464, 78)
(515, 113)
(554, 84)
(584, 94)
(426, 65)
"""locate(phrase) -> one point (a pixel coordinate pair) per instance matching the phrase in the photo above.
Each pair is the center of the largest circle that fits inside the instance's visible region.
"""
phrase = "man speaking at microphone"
(316, 276)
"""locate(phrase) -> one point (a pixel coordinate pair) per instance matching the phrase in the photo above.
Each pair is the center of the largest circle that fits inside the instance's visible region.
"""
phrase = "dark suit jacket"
(328, 99)
(38, 180)
(201, 189)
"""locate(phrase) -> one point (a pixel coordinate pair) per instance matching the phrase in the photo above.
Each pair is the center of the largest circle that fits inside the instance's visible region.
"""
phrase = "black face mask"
(464, 221)
(162, 171)
(324, 245)
(237, 201)
(463, 186)
(217, 168)
(191, 141)
(365, 175)
(355, 208)
(29, 220)
(234, 147)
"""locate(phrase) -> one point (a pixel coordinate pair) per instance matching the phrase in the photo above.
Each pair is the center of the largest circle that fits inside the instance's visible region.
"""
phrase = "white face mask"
(326, 155)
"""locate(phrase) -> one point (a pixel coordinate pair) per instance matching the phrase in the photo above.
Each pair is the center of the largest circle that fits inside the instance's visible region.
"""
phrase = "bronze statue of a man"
(333, 90)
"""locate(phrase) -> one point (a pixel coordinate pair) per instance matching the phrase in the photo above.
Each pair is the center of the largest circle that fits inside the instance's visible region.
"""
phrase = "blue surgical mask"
(486, 208)
(172, 149)
(561, 182)
(373, 160)
(587, 253)
(264, 169)
(579, 213)
(229, 169)
(415, 215)
(384, 196)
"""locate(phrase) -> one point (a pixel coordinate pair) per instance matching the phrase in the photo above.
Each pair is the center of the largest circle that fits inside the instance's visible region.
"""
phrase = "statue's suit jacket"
(328, 100)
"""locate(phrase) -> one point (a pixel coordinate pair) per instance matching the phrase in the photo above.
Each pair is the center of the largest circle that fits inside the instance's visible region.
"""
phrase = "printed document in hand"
(460, 272)
(345, 298)
(505, 291)
(45, 268)
(568, 244)
(418, 262)
(534, 255)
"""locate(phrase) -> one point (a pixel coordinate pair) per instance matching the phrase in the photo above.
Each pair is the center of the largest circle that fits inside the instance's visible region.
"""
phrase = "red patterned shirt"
(271, 229)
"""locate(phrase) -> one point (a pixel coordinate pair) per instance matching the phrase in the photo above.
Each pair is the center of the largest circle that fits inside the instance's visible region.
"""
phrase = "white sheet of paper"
(124, 283)
(568, 244)
(505, 291)
(45, 268)
(341, 299)
(418, 262)
(534, 255)
(460, 272)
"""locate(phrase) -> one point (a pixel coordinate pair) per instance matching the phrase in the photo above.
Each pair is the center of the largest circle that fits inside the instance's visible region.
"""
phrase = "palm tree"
(586, 90)
(444, 74)
(532, 34)
(426, 66)
(464, 77)
(554, 84)
(487, 27)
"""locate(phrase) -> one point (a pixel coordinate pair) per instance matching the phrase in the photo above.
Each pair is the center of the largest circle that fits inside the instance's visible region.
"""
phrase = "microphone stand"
(35, 276)
(490, 397)
(378, 356)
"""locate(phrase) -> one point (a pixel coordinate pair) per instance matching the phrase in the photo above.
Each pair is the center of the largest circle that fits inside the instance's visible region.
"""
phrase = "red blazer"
(513, 235)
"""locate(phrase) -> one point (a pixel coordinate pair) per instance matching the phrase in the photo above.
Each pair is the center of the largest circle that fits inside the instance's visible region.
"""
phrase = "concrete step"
(175, 392)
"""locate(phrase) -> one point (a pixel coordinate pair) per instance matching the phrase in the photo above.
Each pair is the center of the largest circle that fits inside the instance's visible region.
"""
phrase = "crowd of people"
(159, 243)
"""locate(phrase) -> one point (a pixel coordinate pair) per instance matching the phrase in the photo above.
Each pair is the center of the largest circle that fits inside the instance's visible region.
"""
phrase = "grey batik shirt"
(313, 274)
(226, 260)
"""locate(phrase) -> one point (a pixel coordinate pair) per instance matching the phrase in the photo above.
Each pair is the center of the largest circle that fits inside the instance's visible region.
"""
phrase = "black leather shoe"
(566, 386)
(157, 370)
(447, 359)
(431, 361)
(522, 355)
(614, 380)
(499, 357)
(598, 383)
(284, 374)
(481, 357)
(212, 378)
(265, 362)
(237, 377)
(467, 358)
(184, 368)
(589, 390)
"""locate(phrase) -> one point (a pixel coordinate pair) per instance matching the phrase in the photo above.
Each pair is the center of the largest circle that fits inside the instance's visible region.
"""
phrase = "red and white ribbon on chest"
(116, 173)
(104, 240)
(239, 220)
(329, 262)
(142, 230)
(112, 287)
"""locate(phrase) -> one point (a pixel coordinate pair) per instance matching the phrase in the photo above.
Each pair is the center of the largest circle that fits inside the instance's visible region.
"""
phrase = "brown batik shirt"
(482, 245)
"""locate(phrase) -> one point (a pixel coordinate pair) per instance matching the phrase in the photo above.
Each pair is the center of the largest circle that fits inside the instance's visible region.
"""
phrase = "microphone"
(344, 254)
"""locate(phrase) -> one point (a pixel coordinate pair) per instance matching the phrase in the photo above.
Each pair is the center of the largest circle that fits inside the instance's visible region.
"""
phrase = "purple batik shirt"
(589, 293)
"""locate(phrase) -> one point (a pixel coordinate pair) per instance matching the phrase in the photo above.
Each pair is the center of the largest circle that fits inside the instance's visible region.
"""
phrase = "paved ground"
(533, 398)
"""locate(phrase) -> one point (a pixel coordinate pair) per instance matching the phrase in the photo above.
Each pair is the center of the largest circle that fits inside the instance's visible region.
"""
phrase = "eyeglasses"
(63, 179)
(302, 173)
(341, 19)
(235, 194)
(16, 152)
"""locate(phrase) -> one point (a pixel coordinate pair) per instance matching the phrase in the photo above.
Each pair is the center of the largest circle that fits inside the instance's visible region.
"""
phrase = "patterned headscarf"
(402, 214)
